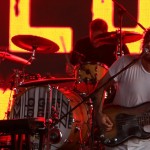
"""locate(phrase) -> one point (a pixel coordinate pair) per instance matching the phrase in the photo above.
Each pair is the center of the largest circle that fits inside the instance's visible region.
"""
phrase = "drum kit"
(40, 98)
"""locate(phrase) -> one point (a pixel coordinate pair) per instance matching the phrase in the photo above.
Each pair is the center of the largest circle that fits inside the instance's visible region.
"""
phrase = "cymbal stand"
(119, 34)
(34, 48)
(122, 11)
(33, 52)
(30, 59)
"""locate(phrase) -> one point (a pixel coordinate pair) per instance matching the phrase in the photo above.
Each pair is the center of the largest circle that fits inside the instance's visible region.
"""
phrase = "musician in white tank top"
(133, 90)
(134, 83)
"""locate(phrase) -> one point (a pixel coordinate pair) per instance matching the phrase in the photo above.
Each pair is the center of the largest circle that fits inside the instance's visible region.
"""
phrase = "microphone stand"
(124, 10)
(119, 47)
(30, 60)
(121, 12)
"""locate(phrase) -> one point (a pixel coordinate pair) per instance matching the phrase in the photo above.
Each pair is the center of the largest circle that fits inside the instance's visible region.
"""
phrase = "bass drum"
(52, 104)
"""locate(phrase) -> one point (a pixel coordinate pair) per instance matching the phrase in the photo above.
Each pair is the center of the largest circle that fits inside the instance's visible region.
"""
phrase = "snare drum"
(87, 75)
(45, 101)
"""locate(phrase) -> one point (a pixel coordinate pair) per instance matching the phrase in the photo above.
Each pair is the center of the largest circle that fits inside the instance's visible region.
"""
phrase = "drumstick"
(65, 50)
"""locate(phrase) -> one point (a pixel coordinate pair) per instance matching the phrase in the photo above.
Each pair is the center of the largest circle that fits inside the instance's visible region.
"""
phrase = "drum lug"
(77, 129)
(67, 141)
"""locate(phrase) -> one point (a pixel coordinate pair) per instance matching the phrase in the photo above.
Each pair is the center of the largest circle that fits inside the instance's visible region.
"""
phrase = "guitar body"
(128, 123)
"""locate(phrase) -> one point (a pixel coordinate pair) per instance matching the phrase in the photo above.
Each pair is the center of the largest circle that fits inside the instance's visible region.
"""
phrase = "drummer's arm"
(74, 61)
(102, 119)
(70, 69)
(70, 65)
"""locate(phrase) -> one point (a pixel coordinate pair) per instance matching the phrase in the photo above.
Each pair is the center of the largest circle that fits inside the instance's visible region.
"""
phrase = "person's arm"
(76, 58)
(102, 119)
(70, 66)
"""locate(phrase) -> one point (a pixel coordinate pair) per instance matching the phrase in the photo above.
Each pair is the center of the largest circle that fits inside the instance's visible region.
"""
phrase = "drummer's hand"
(70, 69)
(104, 120)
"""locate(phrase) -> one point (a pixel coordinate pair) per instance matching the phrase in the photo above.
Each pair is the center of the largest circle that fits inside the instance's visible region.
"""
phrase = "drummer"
(90, 49)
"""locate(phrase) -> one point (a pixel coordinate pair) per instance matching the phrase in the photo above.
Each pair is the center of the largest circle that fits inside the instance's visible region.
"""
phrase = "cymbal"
(46, 81)
(30, 42)
(5, 55)
(112, 37)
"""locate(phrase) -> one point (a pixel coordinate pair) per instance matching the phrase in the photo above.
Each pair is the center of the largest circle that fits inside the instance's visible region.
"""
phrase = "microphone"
(146, 50)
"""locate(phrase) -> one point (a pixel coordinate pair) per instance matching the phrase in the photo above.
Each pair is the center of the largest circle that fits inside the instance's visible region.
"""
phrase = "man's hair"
(98, 24)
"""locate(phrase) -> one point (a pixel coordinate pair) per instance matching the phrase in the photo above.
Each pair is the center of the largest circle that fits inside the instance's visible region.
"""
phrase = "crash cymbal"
(112, 37)
(5, 55)
(46, 81)
(30, 42)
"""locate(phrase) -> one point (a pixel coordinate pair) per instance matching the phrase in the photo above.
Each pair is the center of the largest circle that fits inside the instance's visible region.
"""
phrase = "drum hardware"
(52, 103)
(55, 135)
(119, 37)
(13, 80)
(77, 128)
(8, 56)
(126, 37)
(112, 37)
(17, 77)
(45, 82)
(34, 44)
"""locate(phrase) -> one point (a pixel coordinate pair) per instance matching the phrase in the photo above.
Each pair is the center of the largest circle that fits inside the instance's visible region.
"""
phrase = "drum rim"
(92, 63)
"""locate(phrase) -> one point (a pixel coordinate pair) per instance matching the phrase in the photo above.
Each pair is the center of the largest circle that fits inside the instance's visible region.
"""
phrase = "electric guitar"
(127, 123)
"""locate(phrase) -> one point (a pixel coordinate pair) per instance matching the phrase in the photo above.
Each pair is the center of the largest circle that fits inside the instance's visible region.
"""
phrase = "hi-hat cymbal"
(5, 55)
(46, 81)
(30, 43)
(113, 37)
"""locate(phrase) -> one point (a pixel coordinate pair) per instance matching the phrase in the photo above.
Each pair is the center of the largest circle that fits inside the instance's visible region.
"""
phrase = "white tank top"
(134, 82)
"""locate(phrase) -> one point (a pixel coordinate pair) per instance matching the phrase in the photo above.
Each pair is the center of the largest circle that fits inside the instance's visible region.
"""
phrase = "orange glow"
(4, 102)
